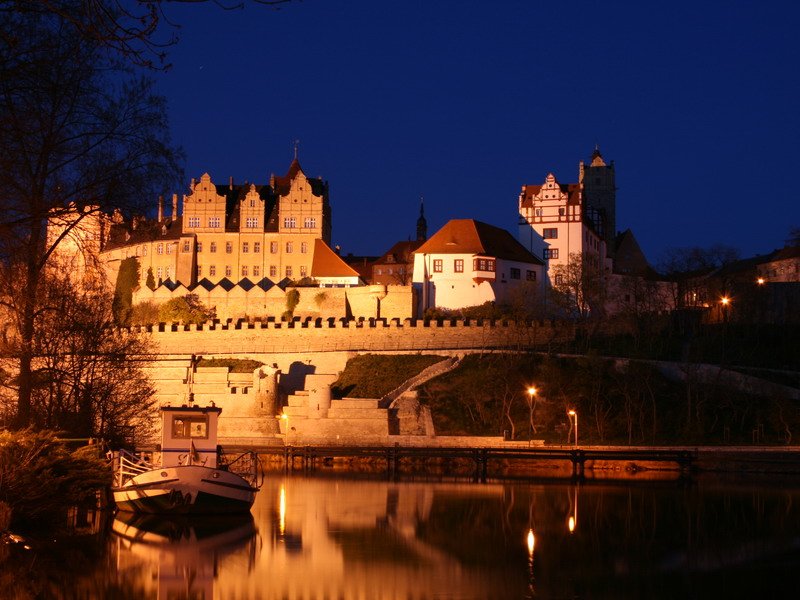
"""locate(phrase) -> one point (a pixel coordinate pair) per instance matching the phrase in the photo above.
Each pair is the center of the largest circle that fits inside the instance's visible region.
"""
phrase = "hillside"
(374, 375)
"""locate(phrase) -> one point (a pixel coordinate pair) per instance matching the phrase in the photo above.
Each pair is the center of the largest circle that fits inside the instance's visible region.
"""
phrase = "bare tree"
(79, 132)
(578, 287)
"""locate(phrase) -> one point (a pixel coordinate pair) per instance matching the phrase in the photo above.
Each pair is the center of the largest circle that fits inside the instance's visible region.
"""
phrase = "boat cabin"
(189, 435)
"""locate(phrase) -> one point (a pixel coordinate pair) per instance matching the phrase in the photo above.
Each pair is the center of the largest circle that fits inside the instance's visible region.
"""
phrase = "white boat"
(192, 476)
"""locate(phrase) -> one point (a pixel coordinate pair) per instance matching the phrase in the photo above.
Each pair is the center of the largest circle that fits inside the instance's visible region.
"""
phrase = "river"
(334, 538)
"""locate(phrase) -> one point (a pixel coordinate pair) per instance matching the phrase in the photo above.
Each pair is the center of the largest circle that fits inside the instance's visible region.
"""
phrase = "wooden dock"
(309, 458)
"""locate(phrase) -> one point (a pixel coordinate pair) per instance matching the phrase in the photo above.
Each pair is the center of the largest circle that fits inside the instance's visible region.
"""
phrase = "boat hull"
(185, 489)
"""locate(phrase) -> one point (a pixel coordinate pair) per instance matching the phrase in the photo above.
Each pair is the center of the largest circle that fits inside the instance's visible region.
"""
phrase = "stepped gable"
(572, 191)
(467, 236)
(281, 185)
(327, 263)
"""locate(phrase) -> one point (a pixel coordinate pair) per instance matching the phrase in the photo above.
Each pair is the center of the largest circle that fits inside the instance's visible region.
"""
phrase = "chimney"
(174, 207)
(160, 208)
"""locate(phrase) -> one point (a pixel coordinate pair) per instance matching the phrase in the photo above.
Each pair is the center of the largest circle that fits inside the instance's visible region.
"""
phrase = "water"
(334, 538)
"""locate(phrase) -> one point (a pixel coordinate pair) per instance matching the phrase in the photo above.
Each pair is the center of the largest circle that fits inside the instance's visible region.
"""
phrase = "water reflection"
(177, 558)
(317, 538)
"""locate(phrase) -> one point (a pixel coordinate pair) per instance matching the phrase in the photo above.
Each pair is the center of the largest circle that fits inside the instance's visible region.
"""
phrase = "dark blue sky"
(462, 102)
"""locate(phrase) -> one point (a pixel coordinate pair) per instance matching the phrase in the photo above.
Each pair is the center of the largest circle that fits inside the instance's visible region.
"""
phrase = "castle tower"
(422, 224)
(598, 185)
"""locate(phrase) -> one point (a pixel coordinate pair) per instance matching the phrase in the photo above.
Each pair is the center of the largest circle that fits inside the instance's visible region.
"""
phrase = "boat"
(189, 473)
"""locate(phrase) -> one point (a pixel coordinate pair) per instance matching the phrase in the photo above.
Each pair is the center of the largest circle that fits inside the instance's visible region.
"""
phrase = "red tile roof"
(327, 263)
(467, 236)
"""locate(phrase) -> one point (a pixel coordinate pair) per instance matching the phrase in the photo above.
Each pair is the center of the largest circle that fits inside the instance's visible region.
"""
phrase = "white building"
(557, 220)
(468, 263)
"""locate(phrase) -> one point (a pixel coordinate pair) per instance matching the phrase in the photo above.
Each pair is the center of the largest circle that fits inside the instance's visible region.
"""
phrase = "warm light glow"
(760, 281)
(285, 417)
(571, 413)
(531, 541)
(282, 511)
(532, 391)
(571, 524)
(725, 300)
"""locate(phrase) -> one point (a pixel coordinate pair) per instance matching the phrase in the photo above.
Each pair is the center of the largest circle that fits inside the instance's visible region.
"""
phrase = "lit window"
(289, 222)
(251, 222)
(160, 249)
(194, 221)
(167, 272)
(273, 247)
(302, 271)
(289, 247)
(437, 265)
(144, 250)
(458, 265)
(309, 222)
(159, 273)
(169, 248)
(213, 221)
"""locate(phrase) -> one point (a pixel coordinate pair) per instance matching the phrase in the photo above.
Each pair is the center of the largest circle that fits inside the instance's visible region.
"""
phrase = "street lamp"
(531, 394)
(760, 281)
(574, 415)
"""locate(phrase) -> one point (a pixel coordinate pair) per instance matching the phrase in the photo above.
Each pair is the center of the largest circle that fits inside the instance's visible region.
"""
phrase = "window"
(245, 247)
(289, 271)
(550, 234)
(561, 212)
(228, 248)
(169, 248)
(514, 273)
(244, 271)
(213, 221)
(252, 203)
(251, 222)
(310, 222)
(538, 212)
(289, 247)
(530, 275)
(550, 253)
(228, 271)
(213, 246)
(273, 247)
(199, 271)
(212, 271)
(379, 271)
(144, 250)
(256, 271)
(199, 246)
(256, 247)
(437, 265)
(187, 246)
(160, 248)
(189, 427)
(159, 273)
(458, 265)
(483, 264)
(167, 272)
(302, 271)
(194, 221)
(273, 271)
(289, 222)
(303, 247)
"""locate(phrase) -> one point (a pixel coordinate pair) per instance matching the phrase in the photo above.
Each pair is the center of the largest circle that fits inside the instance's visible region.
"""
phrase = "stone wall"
(375, 335)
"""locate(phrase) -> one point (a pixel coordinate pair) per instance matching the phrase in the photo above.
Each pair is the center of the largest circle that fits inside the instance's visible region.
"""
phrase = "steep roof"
(327, 263)
(467, 236)
(400, 253)
(572, 190)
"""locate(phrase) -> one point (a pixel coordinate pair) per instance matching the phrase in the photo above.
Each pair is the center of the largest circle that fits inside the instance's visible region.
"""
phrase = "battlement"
(320, 335)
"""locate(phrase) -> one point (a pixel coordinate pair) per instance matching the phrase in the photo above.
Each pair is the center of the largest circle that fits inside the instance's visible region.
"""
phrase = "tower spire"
(422, 224)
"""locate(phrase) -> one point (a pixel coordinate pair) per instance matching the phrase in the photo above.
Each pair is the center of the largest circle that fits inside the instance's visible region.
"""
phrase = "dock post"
(484, 464)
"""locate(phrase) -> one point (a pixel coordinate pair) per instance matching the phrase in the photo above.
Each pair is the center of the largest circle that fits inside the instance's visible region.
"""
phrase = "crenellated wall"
(331, 335)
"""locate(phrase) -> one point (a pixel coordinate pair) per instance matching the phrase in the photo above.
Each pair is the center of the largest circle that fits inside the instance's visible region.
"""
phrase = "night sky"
(462, 102)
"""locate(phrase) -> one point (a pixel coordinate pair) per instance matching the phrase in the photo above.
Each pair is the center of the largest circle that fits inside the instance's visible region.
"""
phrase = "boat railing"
(246, 466)
(127, 465)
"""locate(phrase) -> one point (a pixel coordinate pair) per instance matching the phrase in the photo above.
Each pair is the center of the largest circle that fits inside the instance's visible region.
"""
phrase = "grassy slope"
(374, 375)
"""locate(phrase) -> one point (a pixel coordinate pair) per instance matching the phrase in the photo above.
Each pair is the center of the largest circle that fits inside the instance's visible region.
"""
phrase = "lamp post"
(574, 415)
(531, 395)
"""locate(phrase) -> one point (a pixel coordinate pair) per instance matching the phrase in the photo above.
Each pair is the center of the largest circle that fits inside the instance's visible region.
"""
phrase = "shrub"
(186, 310)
